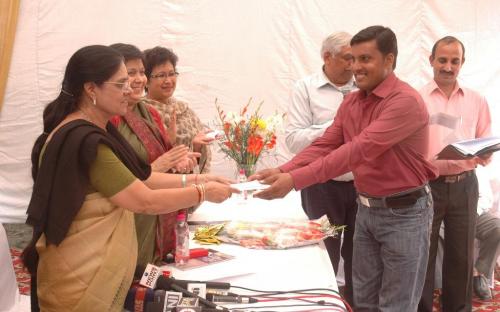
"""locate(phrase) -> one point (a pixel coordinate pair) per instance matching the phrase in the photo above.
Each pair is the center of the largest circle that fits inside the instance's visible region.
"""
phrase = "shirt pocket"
(467, 127)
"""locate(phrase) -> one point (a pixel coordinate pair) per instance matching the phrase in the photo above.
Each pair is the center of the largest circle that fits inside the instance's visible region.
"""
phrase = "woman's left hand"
(185, 166)
(171, 159)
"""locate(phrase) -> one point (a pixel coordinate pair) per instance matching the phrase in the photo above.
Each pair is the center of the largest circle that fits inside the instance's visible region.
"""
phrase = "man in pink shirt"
(380, 133)
(456, 113)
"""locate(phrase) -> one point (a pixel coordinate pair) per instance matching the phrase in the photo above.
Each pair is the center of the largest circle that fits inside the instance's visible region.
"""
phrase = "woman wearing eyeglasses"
(143, 129)
(160, 65)
(88, 183)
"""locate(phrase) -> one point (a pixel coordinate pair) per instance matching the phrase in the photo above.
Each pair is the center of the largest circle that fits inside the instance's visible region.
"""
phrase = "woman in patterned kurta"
(143, 129)
(160, 65)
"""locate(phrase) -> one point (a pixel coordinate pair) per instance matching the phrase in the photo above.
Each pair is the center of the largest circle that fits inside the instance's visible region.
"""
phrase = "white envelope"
(250, 186)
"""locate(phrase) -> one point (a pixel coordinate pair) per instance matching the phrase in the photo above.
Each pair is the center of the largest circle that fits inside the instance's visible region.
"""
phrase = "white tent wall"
(230, 50)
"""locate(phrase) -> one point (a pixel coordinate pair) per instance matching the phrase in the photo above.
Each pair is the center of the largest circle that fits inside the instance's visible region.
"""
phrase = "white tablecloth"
(252, 209)
(296, 268)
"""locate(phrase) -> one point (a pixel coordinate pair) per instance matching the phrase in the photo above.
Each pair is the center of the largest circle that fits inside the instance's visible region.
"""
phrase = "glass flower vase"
(248, 169)
(243, 171)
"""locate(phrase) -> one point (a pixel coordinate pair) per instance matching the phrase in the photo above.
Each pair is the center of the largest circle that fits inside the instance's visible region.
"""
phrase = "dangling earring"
(94, 101)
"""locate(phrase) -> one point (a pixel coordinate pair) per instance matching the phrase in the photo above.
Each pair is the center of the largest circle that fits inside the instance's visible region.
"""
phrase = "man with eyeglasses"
(314, 103)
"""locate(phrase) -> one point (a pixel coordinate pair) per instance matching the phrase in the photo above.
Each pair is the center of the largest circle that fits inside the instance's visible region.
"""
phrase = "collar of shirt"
(322, 80)
(433, 87)
(383, 89)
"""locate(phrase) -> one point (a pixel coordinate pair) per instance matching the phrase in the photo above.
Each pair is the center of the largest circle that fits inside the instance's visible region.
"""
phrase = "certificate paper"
(250, 186)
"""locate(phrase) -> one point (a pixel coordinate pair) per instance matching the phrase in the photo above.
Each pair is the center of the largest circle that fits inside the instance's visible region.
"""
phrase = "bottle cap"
(181, 216)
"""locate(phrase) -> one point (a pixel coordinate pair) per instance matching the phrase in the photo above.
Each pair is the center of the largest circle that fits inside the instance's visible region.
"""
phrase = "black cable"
(294, 292)
(321, 303)
(306, 291)
(277, 292)
(277, 306)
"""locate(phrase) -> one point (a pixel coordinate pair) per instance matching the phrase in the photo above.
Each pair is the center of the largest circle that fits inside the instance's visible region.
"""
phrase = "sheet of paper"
(250, 186)
(215, 134)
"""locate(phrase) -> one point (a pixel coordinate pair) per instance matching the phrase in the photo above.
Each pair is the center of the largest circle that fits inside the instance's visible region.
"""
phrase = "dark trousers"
(456, 205)
(337, 200)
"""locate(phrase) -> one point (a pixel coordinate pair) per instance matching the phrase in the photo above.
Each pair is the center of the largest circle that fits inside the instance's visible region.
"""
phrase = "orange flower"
(227, 127)
(255, 144)
(271, 142)
(246, 135)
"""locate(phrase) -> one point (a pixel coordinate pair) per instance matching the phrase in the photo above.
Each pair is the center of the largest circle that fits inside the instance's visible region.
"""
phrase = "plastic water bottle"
(181, 240)
(243, 178)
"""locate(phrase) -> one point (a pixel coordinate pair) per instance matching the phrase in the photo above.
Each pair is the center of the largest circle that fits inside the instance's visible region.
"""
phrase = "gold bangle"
(199, 192)
(202, 192)
(183, 180)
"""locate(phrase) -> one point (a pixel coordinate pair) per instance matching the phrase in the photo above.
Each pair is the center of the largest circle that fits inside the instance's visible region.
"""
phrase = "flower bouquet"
(247, 136)
(268, 235)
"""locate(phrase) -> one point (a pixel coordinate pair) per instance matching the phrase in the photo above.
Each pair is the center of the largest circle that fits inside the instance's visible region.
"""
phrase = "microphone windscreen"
(164, 283)
(159, 296)
(138, 297)
(139, 270)
(154, 307)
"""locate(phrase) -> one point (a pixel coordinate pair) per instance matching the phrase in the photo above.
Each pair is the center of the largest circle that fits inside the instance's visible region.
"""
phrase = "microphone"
(151, 277)
(166, 299)
(154, 306)
(163, 281)
(231, 299)
(169, 284)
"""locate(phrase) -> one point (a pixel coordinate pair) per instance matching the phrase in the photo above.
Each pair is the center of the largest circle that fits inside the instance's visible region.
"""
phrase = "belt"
(399, 200)
(454, 178)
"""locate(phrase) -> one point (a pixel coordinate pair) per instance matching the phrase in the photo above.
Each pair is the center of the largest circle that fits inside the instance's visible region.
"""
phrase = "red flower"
(227, 127)
(244, 141)
(255, 144)
(271, 142)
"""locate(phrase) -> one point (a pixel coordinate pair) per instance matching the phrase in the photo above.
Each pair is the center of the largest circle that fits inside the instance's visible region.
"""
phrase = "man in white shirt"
(314, 104)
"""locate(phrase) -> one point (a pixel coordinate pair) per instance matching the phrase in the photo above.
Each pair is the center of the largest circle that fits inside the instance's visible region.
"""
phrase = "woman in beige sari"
(88, 181)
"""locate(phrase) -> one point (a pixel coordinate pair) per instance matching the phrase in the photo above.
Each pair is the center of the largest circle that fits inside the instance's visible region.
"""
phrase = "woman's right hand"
(169, 159)
(216, 192)
(202, 139)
